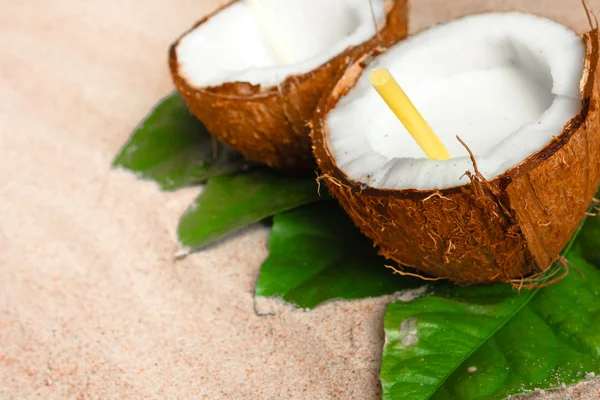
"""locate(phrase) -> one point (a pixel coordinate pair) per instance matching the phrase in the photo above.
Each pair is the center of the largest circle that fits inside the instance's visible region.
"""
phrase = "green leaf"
(489, 341)
(588, 240)
(316, 254)
(429, 337)
(554, 339)
(173, 148)
(231, 202)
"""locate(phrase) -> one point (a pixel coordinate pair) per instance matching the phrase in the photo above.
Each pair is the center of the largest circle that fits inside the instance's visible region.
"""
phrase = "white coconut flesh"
(235, 45)
(505, 83)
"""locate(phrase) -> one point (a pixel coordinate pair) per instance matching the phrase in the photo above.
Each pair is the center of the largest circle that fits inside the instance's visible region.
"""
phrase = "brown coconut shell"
(270, 124)
(501, 230)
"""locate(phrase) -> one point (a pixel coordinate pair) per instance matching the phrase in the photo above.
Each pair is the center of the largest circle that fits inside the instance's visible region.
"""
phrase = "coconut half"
(231, 78)
(521, 92)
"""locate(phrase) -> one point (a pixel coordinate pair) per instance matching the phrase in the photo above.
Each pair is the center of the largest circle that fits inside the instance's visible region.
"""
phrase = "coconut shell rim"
(265, 90)
(338, 89)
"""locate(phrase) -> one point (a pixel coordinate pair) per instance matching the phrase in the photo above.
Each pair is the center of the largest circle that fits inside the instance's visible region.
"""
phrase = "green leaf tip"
(174, 149)
(231, 202)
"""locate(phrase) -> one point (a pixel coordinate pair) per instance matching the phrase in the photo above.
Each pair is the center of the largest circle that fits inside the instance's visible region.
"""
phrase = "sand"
(91, 303)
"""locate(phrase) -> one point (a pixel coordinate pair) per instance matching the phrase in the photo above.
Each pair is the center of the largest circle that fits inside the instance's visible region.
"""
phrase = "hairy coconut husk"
(507, 228)
(270, 124)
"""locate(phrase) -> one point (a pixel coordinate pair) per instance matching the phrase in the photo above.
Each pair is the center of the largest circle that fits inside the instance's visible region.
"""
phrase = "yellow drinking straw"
(267, 21)
(391, 92)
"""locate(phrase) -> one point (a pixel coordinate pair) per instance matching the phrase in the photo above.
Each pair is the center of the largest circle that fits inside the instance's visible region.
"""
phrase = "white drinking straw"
(268, 23)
